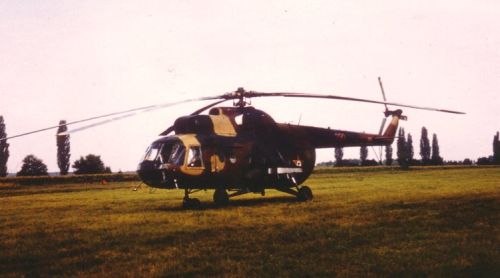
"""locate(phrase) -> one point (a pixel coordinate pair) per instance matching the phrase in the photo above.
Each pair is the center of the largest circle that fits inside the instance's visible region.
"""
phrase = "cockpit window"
(239, 119)
(177, 155)
(152, 152)
(194, 156)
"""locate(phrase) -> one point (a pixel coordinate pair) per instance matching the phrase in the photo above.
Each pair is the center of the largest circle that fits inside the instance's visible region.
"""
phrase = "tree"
(91, 164)
(33, 166)
(63, 148)
(485, 160)
(363, 154)
(4, 149)
(402, 150)
(496, 149)
(467, 161)
(409, 148)
(339, 154)
(425, 149)
(388, 155)
(436, 159)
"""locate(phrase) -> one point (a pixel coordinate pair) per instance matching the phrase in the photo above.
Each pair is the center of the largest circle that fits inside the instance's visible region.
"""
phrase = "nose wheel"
(304, 194)
(221, 198)
(190, 203)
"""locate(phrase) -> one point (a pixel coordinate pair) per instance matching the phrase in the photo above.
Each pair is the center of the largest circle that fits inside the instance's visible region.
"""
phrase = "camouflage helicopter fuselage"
(243, 148)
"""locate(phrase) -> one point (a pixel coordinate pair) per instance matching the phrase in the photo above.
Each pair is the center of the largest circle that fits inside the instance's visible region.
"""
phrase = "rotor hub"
(240, 97)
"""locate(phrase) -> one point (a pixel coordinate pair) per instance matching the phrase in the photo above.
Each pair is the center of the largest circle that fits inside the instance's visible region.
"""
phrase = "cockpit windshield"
(175, 155)
(152, 152)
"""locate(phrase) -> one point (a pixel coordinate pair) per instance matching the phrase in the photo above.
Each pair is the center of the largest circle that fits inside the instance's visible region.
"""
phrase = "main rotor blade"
(171, 128)
(101, 122)
(304, 95)
(138, 109)
(197, 112)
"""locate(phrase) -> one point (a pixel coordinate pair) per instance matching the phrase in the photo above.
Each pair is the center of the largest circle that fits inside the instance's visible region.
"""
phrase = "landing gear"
(221, 195)
(221, 198)
(190, 203)
(305, 194)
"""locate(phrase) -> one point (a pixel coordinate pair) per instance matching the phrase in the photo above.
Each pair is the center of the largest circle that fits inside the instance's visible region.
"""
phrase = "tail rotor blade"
(382, 126)
(383, 92)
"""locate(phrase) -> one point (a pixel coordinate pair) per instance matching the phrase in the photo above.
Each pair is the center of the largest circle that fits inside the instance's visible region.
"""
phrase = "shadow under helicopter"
(236, 203)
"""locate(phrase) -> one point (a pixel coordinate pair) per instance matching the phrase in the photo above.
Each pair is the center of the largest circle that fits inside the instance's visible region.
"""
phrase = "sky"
(76, 59)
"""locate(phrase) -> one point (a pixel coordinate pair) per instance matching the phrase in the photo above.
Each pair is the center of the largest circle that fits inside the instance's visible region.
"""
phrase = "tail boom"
(318, 138)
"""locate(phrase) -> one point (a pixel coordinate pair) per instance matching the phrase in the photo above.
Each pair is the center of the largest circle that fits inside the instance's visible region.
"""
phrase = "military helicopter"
(240, 149)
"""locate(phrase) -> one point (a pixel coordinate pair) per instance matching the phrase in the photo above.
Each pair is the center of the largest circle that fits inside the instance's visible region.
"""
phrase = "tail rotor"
(384, 120)
(386, 112)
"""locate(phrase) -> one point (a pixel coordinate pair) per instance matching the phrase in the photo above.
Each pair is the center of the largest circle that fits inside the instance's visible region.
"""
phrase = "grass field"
(441, 222)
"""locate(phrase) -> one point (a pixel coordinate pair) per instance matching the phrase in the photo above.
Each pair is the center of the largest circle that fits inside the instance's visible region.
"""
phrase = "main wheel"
(305, 194)
(191, 203)
(221, 198)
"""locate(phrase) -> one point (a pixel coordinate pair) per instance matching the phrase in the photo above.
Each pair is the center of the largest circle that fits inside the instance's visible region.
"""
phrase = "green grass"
(440, 222)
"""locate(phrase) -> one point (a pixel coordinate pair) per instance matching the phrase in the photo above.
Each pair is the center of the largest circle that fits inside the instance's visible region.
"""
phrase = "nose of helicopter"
(150, 174)
(156, 175)
(160, 165)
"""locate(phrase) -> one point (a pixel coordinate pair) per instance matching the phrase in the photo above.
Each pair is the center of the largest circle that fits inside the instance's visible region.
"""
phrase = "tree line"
(405, 153)
(33, 166)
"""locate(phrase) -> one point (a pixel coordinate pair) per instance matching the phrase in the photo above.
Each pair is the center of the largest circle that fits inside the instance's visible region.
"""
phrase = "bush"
(33, 166)
(91, 164)
(67, 179)
(485, 161)
(370, 162)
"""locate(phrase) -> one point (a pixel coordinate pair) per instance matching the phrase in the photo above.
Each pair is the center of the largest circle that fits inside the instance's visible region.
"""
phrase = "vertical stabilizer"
(390, 131)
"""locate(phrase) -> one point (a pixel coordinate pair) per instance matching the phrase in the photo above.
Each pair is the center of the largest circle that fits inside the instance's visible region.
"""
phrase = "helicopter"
(239, 149)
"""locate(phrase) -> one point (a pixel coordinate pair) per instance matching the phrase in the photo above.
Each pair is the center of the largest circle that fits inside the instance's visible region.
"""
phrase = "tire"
(221, 198)
(305, 194)
(193, 203)
(186, 204)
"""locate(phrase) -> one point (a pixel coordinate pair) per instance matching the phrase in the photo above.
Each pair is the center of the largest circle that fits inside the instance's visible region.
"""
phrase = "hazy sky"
(74, 59)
